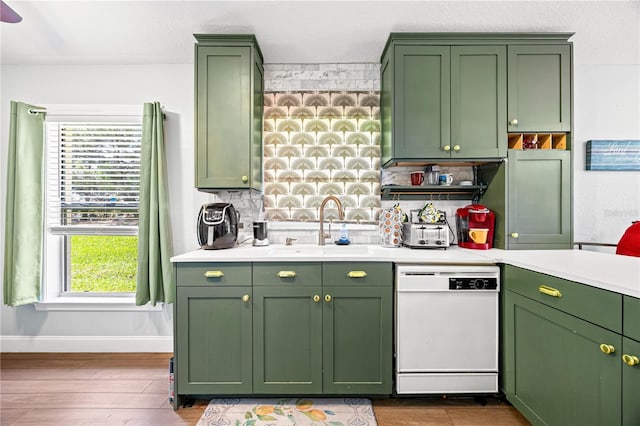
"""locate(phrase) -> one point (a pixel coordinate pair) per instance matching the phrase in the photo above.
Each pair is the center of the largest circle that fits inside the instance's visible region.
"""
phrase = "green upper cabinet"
(539, 88)
(228, 112)
(420, 94)
(530, 195)
(443, 102)
(478, 102)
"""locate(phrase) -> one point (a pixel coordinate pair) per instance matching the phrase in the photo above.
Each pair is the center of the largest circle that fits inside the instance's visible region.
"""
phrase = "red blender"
(475, 225)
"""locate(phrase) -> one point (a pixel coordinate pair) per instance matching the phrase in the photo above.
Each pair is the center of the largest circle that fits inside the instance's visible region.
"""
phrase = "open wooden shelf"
(435, 192)
(537, 140)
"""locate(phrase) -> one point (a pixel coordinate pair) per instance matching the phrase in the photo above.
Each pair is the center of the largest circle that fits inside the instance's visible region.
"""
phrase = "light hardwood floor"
(131, 389)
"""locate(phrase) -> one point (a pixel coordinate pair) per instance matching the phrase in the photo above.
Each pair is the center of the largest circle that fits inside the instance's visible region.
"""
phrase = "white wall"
(606, 106)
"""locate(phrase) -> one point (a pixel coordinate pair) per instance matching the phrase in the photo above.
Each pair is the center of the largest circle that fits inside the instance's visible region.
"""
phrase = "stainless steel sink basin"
(311, 250)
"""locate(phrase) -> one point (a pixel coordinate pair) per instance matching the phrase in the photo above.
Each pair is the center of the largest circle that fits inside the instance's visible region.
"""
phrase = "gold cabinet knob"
(515, 235)
(456, 148)
(245, 179)
(549, 291)
(513, 122)
(630, 360)
(316, 298)
(286, 274)
(607, 349)
(214, 274)
(245, 298)
(327, 298)
(447, 148)
(357, 274)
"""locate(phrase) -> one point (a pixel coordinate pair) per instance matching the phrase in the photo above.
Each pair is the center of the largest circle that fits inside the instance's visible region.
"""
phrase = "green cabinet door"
(421, 105)
(539, 88)
(357, 342)
(539, 199)
(228, 147)
(631, 384)
(213, 340)
(287, 339)
(478, 101)
(555, 372)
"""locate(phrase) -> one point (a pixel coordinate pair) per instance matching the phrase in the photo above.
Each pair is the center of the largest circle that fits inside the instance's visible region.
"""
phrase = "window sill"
(94, 304)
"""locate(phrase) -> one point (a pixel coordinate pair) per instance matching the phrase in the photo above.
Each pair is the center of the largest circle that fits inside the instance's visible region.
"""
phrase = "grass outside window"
(103, 263)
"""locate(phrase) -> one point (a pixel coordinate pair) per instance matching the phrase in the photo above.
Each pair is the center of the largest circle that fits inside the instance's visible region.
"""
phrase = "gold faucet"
(322, 236)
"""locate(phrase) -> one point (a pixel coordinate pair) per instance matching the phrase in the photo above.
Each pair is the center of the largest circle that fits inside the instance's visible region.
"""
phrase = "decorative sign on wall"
(613, 155)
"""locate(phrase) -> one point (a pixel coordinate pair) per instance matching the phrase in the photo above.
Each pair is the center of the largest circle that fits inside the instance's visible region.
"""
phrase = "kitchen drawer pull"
(214, 274)
(607, 349)
(357, 274)
(630, 360)
(549, 291)
(286, 274)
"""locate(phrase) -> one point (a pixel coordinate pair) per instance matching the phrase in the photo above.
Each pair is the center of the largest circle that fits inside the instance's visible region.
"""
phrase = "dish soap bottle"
(344, 235)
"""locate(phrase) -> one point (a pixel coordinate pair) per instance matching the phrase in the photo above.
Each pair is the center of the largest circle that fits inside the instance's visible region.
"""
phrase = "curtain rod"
(41, 110)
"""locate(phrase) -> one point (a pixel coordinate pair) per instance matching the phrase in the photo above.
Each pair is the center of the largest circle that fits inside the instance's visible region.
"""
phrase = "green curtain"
(24, 223)
(155, 281)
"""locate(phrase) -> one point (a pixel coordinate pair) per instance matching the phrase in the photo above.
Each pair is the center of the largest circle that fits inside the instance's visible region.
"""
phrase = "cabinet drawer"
(215, 274)
(631, 322)
(597, 306)
(283, 273)
(357, 273)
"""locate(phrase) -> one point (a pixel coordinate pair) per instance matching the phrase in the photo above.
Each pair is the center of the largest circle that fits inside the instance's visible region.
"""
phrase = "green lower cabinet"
(287, 340)
(630, 383)
(555, 371)
(357, 340)
(213, 340)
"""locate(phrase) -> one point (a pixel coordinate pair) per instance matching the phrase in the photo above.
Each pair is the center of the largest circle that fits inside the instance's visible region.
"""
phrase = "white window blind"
(93, 177)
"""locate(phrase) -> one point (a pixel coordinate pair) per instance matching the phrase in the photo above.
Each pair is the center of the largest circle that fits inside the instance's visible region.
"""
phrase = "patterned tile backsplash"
(318, 144)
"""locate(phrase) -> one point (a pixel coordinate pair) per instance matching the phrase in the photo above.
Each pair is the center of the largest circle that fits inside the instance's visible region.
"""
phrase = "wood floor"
(131, 389)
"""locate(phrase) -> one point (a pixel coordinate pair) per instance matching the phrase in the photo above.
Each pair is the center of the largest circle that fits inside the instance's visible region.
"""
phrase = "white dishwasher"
(446, 329)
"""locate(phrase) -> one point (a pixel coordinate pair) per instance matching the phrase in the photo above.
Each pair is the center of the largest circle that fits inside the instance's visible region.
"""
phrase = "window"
(318, 144)
(93, 181)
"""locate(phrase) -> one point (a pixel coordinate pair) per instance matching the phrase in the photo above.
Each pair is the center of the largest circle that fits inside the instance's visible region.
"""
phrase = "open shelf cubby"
(537, 140)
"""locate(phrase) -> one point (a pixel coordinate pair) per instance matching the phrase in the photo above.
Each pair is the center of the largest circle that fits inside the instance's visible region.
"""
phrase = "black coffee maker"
(218, 226)
(260, 233)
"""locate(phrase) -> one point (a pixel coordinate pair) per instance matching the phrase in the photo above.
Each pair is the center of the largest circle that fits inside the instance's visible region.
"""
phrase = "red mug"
(417, 178)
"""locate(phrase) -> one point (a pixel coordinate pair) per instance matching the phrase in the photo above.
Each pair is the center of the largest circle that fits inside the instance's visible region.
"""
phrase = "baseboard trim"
(86, 343)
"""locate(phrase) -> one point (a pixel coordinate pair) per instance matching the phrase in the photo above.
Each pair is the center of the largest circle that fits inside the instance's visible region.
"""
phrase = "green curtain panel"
(155, 281)
(24, 236)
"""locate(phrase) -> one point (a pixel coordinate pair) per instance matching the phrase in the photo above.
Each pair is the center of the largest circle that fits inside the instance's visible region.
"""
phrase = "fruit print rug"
(288, 411)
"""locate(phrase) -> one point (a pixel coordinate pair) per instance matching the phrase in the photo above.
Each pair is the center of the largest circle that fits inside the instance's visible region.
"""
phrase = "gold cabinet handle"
(245, 298)
(514, 122)
(245, 179)
(607, 349)
(357, 274)
(214, 274)
(549, 291)
(286, 274)
(515, 235)
(630, 360)
(327, 298)
(456, 147)
(316, 298)
(447, 148)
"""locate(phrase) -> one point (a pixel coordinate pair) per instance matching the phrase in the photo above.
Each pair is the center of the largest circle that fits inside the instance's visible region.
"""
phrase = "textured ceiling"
(161, 32)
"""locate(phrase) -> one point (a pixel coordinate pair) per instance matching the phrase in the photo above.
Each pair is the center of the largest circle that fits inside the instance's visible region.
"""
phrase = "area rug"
(289, 411)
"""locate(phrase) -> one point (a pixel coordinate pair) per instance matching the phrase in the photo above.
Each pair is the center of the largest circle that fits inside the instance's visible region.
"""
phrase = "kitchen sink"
(302, 250)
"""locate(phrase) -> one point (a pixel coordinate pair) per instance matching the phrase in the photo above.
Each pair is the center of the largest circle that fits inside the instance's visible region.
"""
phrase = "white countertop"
(620, 274)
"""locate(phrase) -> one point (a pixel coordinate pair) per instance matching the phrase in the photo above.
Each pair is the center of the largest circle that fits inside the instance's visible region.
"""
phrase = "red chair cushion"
(629, 244)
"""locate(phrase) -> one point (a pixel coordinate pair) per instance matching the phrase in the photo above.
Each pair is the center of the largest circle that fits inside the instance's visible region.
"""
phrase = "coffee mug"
(478, 235)
(446, 179)
(417, 178)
